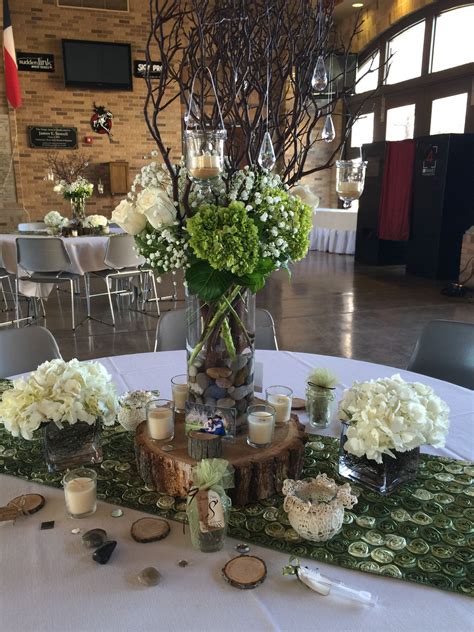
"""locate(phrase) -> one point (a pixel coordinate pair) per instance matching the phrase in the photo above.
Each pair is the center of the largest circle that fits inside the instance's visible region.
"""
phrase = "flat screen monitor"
(97, 65)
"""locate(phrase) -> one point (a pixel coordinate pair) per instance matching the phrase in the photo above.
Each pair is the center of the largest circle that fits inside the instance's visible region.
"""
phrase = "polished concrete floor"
(330, 306)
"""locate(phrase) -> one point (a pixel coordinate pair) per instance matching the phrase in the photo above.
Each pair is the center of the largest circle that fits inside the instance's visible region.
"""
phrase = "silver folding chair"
(445, 350)
(24, 349)
(122, 262)
(171, 331)
(44, 260)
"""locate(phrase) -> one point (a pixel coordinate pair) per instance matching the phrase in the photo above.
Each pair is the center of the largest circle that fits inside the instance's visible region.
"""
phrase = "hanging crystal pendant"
(266, 155)
(328, 134)
(319, 82)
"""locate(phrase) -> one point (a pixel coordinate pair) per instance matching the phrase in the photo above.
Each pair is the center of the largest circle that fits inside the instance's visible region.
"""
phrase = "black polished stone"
(103, 554)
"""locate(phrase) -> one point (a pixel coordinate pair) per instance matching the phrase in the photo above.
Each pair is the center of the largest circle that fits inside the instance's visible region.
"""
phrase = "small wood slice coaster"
(245, 571)
(27, 503)
(298, 403)
(150, 529)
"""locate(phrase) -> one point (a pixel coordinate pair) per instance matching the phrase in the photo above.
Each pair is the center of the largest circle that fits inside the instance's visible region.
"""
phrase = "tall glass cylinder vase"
(78, 209)
(220, 346)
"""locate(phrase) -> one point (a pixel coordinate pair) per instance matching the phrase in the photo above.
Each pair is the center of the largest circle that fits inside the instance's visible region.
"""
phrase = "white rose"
(129, 217)
(306, 195)
(157, 207)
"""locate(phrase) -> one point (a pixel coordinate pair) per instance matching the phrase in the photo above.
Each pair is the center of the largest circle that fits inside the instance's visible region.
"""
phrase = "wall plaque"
(35, 62)
(53, 137)
(140, 69)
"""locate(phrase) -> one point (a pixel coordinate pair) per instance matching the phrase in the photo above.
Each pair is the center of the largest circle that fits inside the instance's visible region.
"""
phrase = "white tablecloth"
(86, 254)
(49, 582)
(334, 230)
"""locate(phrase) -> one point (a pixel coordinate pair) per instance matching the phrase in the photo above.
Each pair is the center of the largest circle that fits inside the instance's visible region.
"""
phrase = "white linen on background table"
(48, 581)
(86, 253)
(334, 230)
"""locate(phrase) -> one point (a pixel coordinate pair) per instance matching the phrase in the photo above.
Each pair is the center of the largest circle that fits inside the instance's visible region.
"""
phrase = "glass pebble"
(116, 513)
(75, 531)
(149, 576)
(242, 548)
(94, 538)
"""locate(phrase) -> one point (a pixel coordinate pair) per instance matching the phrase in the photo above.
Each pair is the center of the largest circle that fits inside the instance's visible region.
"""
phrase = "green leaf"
(207, 283)
(255, 281)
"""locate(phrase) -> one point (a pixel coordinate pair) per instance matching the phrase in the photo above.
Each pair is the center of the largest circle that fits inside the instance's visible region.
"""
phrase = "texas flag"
(9, 55)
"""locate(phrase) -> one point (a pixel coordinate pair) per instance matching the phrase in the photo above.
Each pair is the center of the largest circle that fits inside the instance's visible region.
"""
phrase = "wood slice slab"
(28, 503)
(203, 445)
(298, 403)
(245, 571)
(259, 472)
(150, 529)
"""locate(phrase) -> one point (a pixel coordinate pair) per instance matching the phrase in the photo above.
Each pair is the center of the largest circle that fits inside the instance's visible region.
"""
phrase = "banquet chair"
(445, 350)
(4, 274)
(32, 226)
(44, 260)
(122, 262)
(171, 331)
(24, 349)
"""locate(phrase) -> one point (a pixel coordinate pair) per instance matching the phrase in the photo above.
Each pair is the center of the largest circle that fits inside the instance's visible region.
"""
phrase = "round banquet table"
(86, 253)
(334, 230)
(49, 582)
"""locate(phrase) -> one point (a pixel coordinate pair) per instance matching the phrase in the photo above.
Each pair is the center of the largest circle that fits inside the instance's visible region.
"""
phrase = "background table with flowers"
(422, 533)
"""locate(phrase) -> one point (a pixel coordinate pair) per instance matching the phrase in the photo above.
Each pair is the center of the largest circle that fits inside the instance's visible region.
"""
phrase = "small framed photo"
(211, 419)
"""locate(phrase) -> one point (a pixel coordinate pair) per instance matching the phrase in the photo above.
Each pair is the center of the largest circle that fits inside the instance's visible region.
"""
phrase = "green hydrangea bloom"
(224, 236)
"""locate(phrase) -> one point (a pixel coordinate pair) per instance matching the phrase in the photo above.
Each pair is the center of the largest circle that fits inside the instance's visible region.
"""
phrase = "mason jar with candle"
(205, 153)
(160, 419)
(261, 425)
(281, 398)
(80, 492)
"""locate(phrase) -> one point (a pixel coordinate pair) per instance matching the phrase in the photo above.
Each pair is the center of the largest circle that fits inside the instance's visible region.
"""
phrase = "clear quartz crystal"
(328, 134)
(266, 155)
(319, 80)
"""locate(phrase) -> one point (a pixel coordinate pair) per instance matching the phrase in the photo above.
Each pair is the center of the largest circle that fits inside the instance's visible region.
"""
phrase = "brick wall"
(39, 26)
(378, 16)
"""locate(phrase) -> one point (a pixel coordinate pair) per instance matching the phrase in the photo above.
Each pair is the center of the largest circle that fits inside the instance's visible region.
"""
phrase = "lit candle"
(160, 423)
(282, 406)
(260, 430)
(80, 496)
(205, 167)
(349, 190)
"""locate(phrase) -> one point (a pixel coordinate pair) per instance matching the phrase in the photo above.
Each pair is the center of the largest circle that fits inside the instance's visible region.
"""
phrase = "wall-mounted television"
(100, 65)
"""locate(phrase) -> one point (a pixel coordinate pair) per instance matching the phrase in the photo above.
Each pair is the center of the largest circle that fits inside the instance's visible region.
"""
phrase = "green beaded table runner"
(422, 533)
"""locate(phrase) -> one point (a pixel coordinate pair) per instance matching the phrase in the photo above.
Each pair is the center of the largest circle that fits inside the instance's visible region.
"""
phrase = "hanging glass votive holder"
(350, 180)
(205, 153)
(319, 405)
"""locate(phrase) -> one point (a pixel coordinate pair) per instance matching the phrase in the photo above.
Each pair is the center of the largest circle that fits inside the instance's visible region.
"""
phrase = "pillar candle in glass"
(160, 419)
(80, 491)
(261, 425)
(179, 389)
(280, 397)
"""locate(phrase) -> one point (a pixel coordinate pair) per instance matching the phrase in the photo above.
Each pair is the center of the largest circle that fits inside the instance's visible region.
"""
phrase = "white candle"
(260, 427)
(204, 167)
(160, 423)
(80, 495)
(282, 406)
(349, 190)
(180, 395)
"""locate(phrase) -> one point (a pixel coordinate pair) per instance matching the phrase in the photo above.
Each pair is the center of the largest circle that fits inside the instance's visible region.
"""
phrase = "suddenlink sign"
(35, 62)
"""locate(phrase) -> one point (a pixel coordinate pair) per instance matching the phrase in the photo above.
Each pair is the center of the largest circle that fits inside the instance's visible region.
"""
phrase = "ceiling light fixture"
(358, 5)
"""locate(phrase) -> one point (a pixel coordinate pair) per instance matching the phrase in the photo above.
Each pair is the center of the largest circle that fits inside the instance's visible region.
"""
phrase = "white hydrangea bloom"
(390, 414)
